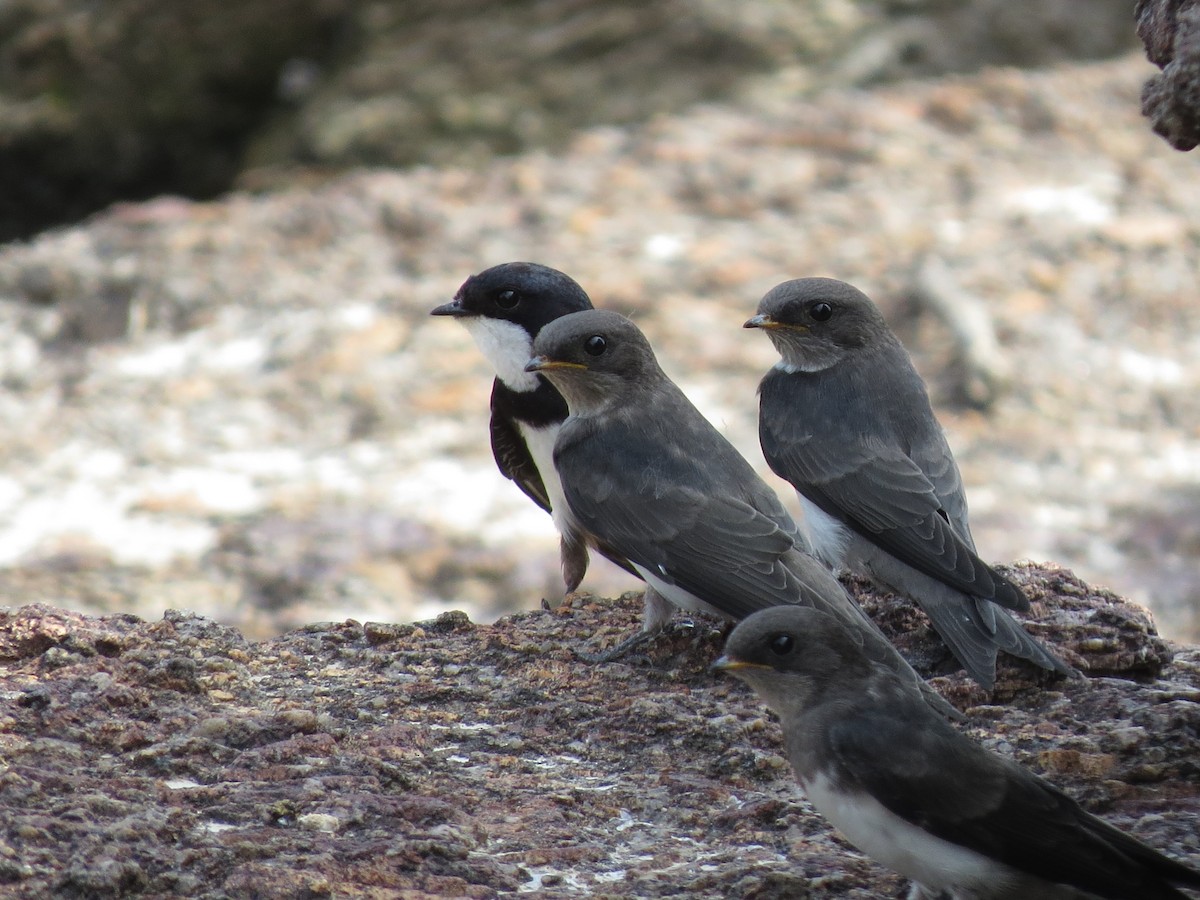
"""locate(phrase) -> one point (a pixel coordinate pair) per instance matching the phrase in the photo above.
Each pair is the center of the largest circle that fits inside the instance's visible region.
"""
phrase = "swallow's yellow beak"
(762, 320)
(729, 664)
(545, 363)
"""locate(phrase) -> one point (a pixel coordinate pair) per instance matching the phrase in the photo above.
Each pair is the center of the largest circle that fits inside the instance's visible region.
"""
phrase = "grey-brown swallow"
(915, 794)
(846, 419)
(647, 474)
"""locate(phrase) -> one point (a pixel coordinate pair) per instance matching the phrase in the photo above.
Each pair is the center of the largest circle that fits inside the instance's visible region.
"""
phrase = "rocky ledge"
(176, 758)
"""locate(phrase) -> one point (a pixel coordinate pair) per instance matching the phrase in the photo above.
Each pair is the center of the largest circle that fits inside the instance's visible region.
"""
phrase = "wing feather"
(874, 487)
(933, 777)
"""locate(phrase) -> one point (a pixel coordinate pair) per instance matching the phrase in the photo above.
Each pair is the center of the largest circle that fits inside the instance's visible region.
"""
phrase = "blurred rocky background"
(221, 389)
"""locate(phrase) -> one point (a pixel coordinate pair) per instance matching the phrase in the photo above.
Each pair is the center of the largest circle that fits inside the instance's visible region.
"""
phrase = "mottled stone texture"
(1170, 29)
(176, 758)
(126, 99)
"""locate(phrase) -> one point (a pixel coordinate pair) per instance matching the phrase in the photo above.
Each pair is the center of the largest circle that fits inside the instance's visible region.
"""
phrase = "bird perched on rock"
(918, 796)
(644, 472)
(504, 308)
(846, 419)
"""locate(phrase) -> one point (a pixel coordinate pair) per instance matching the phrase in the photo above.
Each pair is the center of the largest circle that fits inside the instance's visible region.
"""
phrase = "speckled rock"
(451, 759)
(133, 98)
(425, 84)
(125, 100)
(1170, 30)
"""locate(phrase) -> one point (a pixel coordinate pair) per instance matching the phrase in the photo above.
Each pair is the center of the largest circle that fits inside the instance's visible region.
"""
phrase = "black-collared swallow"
(918, 796)
(846, 419)
(645, 472)
(504, 308)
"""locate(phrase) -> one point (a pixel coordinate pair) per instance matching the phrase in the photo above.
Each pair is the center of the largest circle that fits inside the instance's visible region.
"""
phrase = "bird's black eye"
(820, 312)
(781, 644)
(507, 299)
(595, 345)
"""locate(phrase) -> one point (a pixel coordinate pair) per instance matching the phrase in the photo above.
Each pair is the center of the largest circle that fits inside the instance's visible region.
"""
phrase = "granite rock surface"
(174, 757)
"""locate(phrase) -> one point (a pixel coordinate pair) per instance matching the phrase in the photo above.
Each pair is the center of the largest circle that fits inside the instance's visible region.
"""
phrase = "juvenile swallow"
(846, 419)
(920, 797)
(644, 472)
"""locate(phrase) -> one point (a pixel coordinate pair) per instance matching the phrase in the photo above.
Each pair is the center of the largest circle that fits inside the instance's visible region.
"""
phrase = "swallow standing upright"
(645, 473)
(504, 308)
(846, 419)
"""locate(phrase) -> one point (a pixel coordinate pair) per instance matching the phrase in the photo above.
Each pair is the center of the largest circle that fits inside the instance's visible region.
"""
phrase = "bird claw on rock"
(639, 640)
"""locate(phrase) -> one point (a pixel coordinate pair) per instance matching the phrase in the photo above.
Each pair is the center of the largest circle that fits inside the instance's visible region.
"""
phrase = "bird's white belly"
(540, 442)
(677, 595)
(830, 538)
(901, 846)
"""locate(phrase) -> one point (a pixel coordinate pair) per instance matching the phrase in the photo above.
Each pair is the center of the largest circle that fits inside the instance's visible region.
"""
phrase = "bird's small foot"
(642, 638)
(624, 648)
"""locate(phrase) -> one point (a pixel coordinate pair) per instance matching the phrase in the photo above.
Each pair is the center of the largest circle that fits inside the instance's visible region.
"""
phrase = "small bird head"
(505, 307)
(527, 294)
(595, 358)
(816, 322)
(790, 654)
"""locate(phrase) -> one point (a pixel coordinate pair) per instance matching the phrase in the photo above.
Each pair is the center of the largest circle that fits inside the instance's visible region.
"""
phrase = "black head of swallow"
(523, 293)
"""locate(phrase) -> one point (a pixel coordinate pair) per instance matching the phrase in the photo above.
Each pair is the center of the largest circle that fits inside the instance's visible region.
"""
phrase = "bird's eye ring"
(820, 312)
(507, 299)
(781, 644)
(595, 345)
